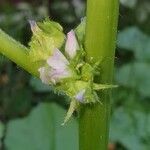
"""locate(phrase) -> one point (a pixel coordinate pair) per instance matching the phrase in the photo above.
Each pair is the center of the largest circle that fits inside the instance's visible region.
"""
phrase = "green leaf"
(130, 129)
(135, 75)
(42, 130)
(134, 40)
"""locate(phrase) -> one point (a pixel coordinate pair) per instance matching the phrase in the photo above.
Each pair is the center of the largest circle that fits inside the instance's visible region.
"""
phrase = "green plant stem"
(17, 53)
(102, 16)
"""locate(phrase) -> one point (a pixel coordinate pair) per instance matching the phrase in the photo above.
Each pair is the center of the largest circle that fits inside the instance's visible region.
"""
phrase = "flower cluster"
(63, 64)
(58, 65)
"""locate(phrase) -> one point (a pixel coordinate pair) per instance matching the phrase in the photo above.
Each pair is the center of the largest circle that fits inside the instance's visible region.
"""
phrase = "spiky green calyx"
(47, 36)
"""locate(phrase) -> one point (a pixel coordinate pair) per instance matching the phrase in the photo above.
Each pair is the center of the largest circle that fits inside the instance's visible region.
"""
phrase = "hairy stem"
(102, 16)
(17, 53)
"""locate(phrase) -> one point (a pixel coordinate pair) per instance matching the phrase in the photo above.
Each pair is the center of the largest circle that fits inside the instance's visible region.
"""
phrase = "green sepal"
(78, 61)
(73, 106)
(53, 30)
(98, 87)
(80, 31)
(87, 72)
(90, 96)
(47, 36)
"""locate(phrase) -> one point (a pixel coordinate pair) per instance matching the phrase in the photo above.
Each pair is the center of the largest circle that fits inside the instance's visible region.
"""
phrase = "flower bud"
(72, 45)
(34, 26)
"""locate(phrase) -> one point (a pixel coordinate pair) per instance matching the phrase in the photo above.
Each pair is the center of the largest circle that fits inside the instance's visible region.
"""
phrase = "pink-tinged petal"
(57, 75)
(71, 44)
(44, 75)
(49, 75)
(56, 70)
(57, 60)
(80, 96)
(34, 26)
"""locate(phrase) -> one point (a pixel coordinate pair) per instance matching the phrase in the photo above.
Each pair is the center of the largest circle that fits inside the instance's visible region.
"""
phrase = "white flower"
(72, 45)
(57, 69)
(44, 74)
(80, 96)
(34, 26)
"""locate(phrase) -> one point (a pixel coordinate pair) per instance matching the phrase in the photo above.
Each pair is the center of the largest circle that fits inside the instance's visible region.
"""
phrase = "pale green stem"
(102, 16)
(18, 53)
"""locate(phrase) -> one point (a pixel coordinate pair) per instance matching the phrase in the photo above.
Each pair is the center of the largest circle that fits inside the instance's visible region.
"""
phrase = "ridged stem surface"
(102, 17)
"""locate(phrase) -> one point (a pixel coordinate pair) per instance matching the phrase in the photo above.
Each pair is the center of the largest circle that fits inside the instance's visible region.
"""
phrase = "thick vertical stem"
(102, 16)
(17, 53)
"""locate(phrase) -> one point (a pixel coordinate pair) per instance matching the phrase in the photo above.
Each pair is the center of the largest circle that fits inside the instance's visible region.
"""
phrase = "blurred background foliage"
(30, 114)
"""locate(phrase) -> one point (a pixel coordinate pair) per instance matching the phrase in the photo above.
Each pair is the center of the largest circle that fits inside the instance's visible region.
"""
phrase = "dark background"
(31, 113)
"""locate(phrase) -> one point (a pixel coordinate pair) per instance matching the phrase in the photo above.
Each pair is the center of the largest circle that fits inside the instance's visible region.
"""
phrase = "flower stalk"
(100, 41)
